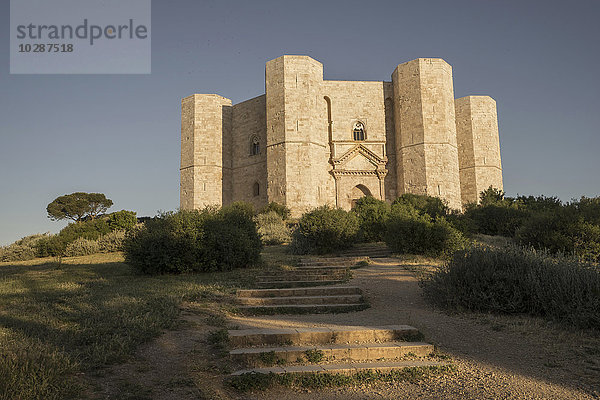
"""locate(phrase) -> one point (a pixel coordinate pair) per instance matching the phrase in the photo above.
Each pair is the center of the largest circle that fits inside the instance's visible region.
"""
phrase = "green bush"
(272, 228)
(112, 242)
(121, 220)
(195, 241)
(496, 219)
(82, 247)
(324, 230)
(588, 209)
(537, 204)
(52, 246)
(512, 280)
(432, 206)
(90, 229)
(280, 209)
(562, 231)
(372, 216)
(22, 249)
(408, 232)
(231, 239)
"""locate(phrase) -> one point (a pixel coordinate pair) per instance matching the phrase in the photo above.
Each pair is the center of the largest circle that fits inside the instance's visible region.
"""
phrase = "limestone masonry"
(308, 141)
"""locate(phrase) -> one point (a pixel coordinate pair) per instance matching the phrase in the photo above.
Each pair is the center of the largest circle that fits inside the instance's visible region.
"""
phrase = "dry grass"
(58, 321)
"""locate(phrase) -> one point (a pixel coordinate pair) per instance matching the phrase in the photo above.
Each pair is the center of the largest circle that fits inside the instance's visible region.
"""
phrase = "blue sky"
(119, 134)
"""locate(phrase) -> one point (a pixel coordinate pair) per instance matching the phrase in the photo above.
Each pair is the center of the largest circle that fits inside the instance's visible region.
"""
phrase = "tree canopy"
(78, 206)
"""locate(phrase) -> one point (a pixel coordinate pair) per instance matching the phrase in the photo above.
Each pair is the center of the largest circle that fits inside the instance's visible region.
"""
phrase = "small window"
(358, 131)
(256, 189)
(254, 146)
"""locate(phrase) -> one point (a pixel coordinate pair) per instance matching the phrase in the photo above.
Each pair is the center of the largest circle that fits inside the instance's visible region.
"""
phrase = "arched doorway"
(359, 191)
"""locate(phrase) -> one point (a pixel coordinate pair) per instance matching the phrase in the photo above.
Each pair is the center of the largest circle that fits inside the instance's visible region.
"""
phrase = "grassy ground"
(59, 322)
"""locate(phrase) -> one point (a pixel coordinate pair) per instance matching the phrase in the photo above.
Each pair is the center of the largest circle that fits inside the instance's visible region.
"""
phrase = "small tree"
(491, 195)
(78, 206)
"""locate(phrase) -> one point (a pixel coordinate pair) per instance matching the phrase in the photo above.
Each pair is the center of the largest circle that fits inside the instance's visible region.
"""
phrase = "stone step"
(256, 356)
(313, 277)
(340, 262)
(345, 369)
(305, 291)
(327, 258)
(370, 254)
(321, 335)
(323, 267)
(294, 284)
(291, 300)
(310, 271)
(302, 308)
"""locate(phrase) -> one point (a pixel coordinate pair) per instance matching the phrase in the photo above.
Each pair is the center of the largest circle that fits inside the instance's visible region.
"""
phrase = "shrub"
(191, 241)
(372, 216)
(169, 243)
(496, 219)
(52, 246)
(432, 206)
(111, 242)
(324, 230)
(280, 209)
(121, 220)
(588, 209)
(231, 239)
(407, 232)
(272, 228)
(562, 232)
(22, 249)
(513, 280)
(537, 204)
(90, 229)
(82, 247)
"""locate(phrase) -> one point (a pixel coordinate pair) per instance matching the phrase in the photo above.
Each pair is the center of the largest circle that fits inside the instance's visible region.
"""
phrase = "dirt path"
(496, 357)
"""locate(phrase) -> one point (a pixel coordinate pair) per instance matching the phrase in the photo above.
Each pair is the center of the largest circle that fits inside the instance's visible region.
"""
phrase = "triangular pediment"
(359, 162)
(359, 157)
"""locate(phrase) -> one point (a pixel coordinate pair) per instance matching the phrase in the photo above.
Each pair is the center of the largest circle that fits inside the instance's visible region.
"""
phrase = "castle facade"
(308, 142)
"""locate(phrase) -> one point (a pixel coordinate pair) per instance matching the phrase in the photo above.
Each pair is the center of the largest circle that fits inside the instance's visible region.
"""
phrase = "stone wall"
(249, 121)
(363, 101)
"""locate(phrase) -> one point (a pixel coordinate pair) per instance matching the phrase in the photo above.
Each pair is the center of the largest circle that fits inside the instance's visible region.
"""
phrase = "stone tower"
(205, 151)
(297, 144)
(478, 145)
(426, 145)
(307, 141)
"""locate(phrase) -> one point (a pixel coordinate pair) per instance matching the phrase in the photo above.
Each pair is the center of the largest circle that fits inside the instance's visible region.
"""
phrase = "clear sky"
(120, 134)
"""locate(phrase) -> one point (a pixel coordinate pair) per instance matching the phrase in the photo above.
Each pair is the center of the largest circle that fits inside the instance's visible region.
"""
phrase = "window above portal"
(358, 131)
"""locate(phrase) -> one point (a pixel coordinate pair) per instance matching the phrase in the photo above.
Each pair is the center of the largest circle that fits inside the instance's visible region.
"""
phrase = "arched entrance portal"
(359, 191)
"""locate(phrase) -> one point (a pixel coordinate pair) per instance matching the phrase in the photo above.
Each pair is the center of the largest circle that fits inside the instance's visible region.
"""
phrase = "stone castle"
(308, 142)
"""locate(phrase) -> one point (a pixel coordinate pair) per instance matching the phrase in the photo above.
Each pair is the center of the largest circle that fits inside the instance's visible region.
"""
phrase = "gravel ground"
(496, 357)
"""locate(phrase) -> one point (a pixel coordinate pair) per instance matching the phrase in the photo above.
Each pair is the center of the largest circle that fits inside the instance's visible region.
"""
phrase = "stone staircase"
(330, 349)
(301, 300)
(335, 350)
(370, 250)
(303, 289)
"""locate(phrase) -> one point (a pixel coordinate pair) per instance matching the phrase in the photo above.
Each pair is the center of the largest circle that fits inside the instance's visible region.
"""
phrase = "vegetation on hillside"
(196, 241)
(103, 234)
(540, 222)
(513, 280)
